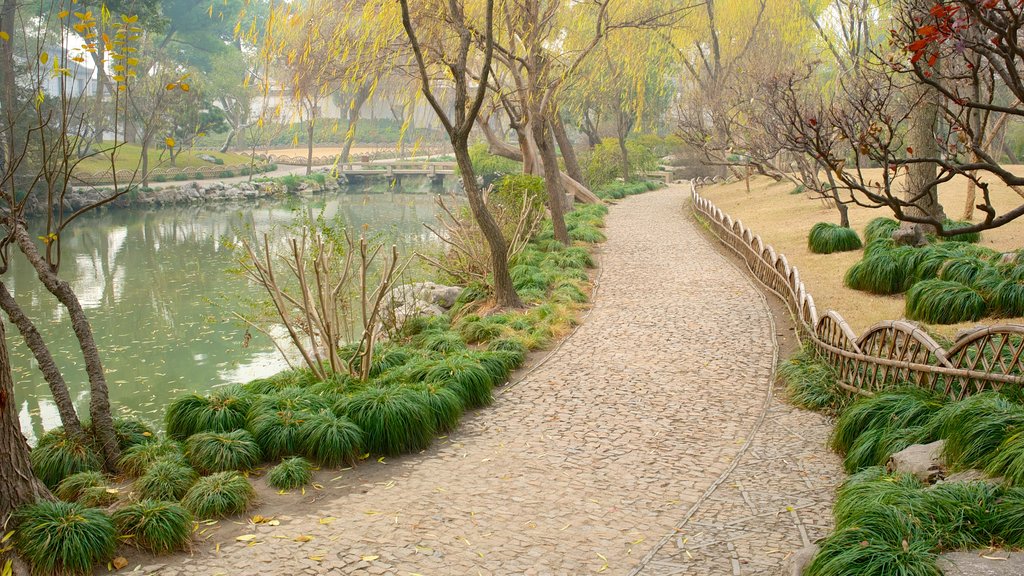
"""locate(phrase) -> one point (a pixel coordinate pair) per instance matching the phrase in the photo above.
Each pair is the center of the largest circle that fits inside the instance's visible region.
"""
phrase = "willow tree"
(319, 50)
(446, 38)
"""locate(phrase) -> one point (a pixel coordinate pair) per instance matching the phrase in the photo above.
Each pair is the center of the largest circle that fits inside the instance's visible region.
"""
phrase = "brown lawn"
(784, 220)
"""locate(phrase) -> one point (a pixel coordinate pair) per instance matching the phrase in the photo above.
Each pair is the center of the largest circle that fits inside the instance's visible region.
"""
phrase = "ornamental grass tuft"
(136, 460)
(393, 420)
(58, 456)
(881, 272)
(291, 473)
(160, 527)
(222, 411)
(71, 488)
(57, 537)
(944, 302)
(277, 433)
(218, 495)
(222, 451)
(812, 384)
(976, 427)
(880, 228)
(329, 439)
(827, 238)
(165, 480)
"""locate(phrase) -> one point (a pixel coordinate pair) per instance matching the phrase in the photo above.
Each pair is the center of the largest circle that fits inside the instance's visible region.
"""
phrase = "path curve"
(592, 463)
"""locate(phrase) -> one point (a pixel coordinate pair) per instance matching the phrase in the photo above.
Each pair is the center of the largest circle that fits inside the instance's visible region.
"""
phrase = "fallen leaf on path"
(303, 538)
(369, 558)
(245, 537)
(119, 562)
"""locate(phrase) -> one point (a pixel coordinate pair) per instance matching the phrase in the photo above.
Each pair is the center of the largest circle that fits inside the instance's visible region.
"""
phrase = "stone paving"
(603, 459)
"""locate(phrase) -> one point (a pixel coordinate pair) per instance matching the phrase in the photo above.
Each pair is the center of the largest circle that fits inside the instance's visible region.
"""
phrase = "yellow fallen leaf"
(369, 558)
(119, 562)
(303, 538)
(274, 523)
(7, 537)
(327, 520)
(217, 547)
(245, 537)
(113, 491)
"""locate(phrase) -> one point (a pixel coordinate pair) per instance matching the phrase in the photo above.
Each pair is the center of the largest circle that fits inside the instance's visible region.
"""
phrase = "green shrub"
(490, 167)
(136, 460)
(812, 384)
(881, 272)
(942, 302)
(165, 480)
(160, 527)
(880, 228)
(277, 433)
(290, 399)
(222, 411)
(291, 473)
(586, 233)
(329, 439)
(63, 537)
(393, 420)
(222, 451)
(218, 495)
(826, 238)
(71, 488)
(58, 456)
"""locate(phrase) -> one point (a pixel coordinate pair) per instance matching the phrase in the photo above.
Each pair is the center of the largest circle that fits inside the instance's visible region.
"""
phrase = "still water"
(157, 289)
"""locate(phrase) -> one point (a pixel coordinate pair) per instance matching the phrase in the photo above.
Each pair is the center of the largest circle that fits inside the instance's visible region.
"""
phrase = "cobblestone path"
(603, 459)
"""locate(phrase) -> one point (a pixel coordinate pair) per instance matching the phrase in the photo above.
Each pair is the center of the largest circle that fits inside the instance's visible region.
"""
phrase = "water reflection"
(156, 289)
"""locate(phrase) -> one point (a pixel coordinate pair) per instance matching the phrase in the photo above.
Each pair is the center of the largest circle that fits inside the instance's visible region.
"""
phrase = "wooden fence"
(165, 174)
(890, 352)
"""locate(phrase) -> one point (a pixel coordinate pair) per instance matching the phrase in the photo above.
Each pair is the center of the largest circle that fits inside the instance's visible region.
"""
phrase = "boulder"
(924, 461)
(982, 563)
(798, 561)
(972, 475)
(207, 158)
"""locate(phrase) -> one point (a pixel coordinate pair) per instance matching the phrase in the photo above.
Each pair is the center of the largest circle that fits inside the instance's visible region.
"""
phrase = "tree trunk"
(623, 158)
(310, 129)
(99, 400)
(589, 127)
(145, 162)
(18, 485)
(227, 141)
(971, 197)
(572, 163)
(353, 115)
(920, 189)
(58, 387)
(504, 290)
(552, 179)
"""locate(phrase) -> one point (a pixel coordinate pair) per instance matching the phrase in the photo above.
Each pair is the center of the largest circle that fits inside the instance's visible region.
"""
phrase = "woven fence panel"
(888, 354)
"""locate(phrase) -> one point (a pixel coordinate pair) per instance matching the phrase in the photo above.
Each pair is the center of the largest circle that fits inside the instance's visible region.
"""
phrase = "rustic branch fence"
(890, 352)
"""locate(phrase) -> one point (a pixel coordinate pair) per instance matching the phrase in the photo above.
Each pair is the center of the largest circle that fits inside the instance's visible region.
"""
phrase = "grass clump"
(438, 341)
(218, 495)
(1007, 298)
(160, 527)
(826, 238)
(976, 427)
(277, 433)
(329, 439)
(63, 537)
(463, 374)
(870, 429)
(394, 420)
(881, 272)
(812, 384)
(970, 271)
(445, 405)
(944, 302)
(952, 225)
(880, 228)
(72, 488)
(136, 460)
(58, 456)
(165, 480)
(132, 432)
(222, 411)
(291, 473)
(221, 451)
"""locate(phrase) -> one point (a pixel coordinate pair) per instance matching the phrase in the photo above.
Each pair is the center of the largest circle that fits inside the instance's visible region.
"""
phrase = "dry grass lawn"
(783, 220)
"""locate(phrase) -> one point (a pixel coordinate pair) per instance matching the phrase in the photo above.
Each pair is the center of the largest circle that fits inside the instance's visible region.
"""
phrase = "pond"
(157, 289)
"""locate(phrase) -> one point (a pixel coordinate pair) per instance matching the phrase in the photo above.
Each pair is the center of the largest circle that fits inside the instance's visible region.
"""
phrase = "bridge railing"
(887, 354)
